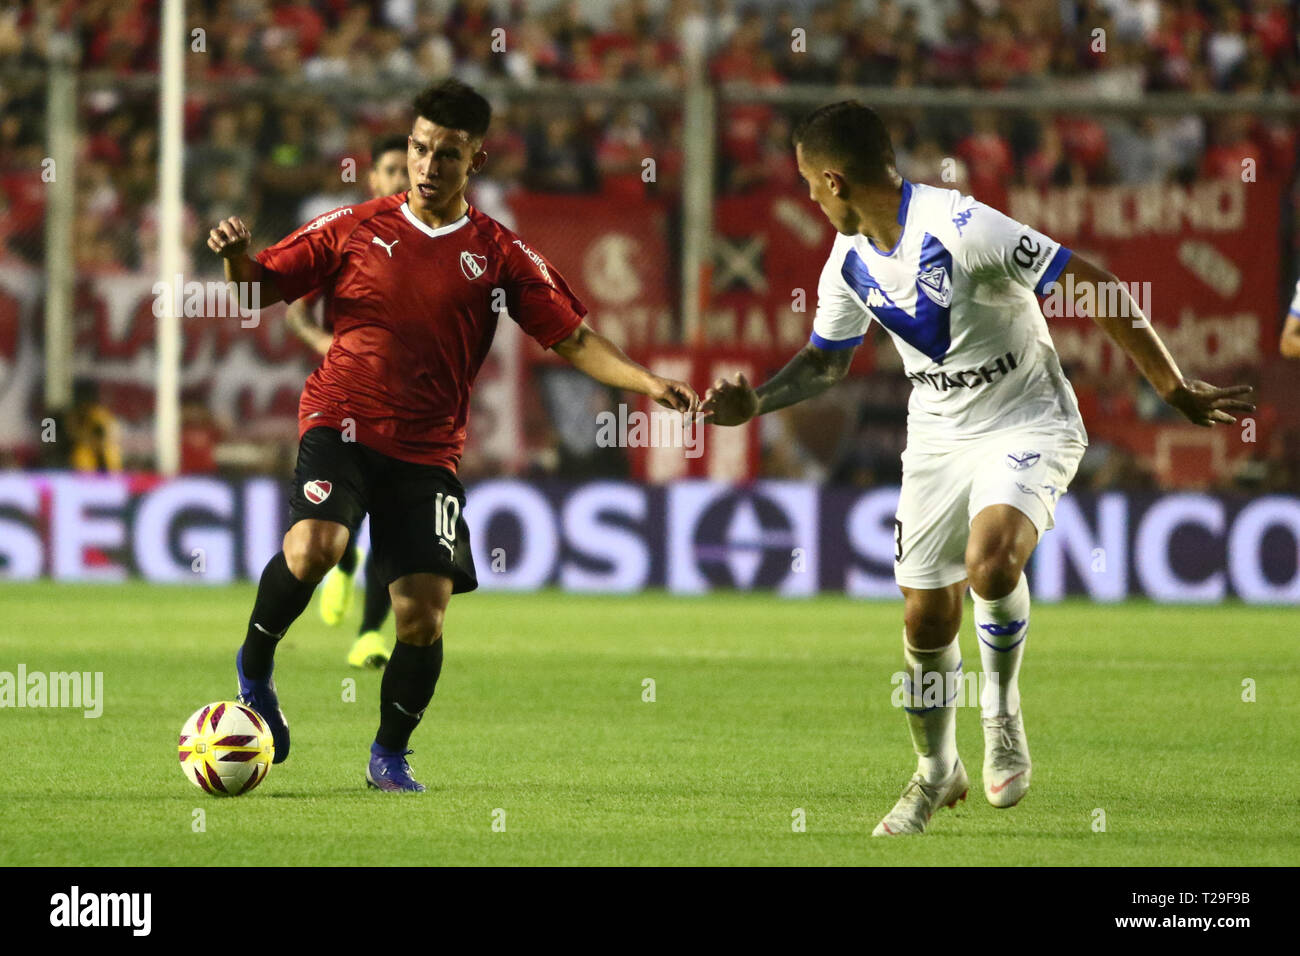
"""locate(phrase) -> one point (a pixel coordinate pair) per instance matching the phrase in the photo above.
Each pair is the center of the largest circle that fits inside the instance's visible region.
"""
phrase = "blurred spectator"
(557, 161)
(987, 156)
(93, 431)
(225, 152)
(621, 152)
(1225, 47)
(200, 436)
(1231, 144)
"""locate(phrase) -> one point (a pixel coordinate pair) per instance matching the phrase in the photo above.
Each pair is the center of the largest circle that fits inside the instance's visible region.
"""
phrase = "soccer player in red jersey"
(414, 280)
(388, 176)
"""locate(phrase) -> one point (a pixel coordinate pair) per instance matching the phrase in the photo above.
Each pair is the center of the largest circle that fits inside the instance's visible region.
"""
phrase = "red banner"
(1207, 253)
(615, 256)
(1202, 261)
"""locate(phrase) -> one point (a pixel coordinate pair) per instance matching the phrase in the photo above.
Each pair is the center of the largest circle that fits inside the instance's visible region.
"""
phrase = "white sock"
(930, 706)
(1002, 627)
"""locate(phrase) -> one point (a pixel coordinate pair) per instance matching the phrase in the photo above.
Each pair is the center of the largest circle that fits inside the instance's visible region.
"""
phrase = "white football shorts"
(942, 493)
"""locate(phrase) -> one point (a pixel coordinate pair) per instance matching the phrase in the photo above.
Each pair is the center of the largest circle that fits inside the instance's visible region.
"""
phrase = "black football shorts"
(417, 521)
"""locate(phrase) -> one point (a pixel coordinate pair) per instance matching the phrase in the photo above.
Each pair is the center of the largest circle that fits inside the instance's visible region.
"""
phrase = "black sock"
(348, 563)
(405, 691)
(377, 601)
(281, 597)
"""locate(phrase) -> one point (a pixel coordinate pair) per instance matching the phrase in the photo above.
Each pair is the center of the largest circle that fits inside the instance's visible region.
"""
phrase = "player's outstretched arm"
(591, 353)
(1199, 402)
(809, 373)
(1290, 346)
(299, 322)
(229, 239)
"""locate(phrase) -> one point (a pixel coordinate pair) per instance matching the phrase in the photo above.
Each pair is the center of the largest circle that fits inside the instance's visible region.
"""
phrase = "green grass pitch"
(761, 707)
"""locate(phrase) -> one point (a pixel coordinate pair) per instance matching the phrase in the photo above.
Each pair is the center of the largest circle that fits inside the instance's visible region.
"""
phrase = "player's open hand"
(730, 403)
(229, 238)
(678, 396)
(1203, 404)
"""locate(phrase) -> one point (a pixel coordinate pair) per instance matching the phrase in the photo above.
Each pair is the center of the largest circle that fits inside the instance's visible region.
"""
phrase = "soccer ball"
(225, 749)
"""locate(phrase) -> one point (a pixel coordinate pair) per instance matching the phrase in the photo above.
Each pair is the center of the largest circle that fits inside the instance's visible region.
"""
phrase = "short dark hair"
(387, 144)
(851, 134)
(455, 105)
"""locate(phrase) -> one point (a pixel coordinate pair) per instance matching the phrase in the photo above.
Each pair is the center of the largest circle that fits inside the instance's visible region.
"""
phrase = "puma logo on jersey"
(388, 246)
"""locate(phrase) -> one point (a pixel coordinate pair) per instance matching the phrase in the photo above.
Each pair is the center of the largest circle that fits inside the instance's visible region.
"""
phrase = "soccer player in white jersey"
(994, 433)
(1290, 345)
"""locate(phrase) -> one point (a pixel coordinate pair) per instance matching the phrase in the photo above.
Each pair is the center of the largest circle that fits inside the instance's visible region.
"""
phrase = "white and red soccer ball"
(225, 748)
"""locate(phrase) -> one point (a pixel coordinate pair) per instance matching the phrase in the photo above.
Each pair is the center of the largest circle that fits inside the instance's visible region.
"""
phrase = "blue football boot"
(260, 695)
(389, 770)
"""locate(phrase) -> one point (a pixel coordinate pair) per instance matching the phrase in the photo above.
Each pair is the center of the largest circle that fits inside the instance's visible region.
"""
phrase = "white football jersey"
(957, 296)
(1295, 303)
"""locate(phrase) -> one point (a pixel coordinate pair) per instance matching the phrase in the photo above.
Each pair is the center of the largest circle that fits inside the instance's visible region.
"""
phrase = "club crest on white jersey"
(937, 285)
(957, 295)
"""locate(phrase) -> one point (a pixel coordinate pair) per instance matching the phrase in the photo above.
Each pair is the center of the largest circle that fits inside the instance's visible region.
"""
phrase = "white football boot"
(1006, 760)
(919, 801)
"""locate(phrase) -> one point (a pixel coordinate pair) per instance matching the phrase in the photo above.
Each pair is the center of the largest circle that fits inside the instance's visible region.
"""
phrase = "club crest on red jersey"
(472, 265)
(317, 491)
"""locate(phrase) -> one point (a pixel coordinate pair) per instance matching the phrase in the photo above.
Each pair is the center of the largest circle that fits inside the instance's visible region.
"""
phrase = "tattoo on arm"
(809, 373)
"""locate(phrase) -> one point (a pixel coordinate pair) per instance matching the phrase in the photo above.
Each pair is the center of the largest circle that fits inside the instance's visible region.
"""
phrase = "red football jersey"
(317, 317)
(412, 308)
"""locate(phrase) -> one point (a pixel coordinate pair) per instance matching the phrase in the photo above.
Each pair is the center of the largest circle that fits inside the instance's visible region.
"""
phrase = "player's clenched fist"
(730, 403)
(229, 238)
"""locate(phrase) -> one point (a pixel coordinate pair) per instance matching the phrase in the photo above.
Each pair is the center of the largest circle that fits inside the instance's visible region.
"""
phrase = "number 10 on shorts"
(446, 511)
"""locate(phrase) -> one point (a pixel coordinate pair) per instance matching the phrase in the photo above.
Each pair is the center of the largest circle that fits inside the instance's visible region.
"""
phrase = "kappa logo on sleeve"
(472, 265)
(317, 491)
(1019, 461)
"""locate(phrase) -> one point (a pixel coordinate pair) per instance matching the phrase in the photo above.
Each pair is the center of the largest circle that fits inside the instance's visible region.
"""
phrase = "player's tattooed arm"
(1199, 402)
(809, 373)
(591, 353)
(299, 322)
(229, 239)
(1290, 346)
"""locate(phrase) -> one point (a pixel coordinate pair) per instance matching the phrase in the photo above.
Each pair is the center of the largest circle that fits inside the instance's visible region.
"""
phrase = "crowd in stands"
(277, 159)
(273, 154)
